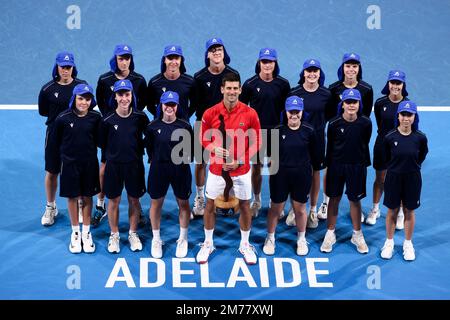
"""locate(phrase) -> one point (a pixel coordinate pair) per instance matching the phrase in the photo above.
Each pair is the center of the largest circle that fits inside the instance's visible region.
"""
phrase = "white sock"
(376, 206)
(407, 243)
(325, 198)
(313, 208)
(209, 235)
(86, 229)
(131, 231)
(329, 232)
(183, 233)
(76, 228)
(100, 202)
(301, 235)
(357, 232)
(257, 197)
(156, 234)
(245, 235)
(271, 236)
(200, 191)
(115, 234)
(51, 204)
(389, 241)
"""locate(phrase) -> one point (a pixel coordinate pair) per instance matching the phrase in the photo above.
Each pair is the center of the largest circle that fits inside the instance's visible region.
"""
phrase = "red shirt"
(244, 132)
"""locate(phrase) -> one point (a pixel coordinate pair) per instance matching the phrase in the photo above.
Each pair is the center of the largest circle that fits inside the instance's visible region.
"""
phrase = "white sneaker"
(88, 242)
(156, 250)
(206, 249)
(269, 247)
(199, 206)
(323, 211)
(400, 224)
(48, 218)
(302, 247)
(75, 242)
(373, 216)
(255, 207)
(409, 252)
(248, 251)
(360, 243)
(114, 244)
(290, 220)
(388, 249)
(135, 242)
(182, 248)
(328, 241)
(313, 221)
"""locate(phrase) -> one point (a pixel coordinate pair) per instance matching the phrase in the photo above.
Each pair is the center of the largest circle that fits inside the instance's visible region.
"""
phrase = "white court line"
(35, 107)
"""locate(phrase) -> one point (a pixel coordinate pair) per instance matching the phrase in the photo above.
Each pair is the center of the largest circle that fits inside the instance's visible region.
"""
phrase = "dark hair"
(231, 77)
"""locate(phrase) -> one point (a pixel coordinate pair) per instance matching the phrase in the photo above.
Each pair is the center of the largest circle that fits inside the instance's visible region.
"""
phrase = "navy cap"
(345, 59)
(411, 107)
(173, 50)
(268, 54)
(120, 50)
(395, 75)
(312, 63)
(294, 103)
(169, 97)
(64, 58)
(216, 42)
(123, 85)
(80, 89)
(351, 94)
(407, 106)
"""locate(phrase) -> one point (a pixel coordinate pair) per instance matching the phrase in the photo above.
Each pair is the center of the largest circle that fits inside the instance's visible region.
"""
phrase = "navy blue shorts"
(294, 181)
(52, 157)
(161, 175)
(379, 162)
(353, 176)
(318, 161)
(402, 187)
(79, 179)
(130, 174)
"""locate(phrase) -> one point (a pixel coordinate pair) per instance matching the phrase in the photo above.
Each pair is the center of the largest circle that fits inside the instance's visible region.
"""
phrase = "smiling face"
(231, 91)
(351, 71)
(173, 63)
(350, 107)
(82, 103)
(216, 55)
(312, 75)
(169, 110)
(123, 98)
(395, 87)
(293, 118)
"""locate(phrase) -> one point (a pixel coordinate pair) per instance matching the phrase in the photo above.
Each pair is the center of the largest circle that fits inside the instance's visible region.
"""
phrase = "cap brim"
(268, 58)
(396, 78)
(352, 59)
(65, 63)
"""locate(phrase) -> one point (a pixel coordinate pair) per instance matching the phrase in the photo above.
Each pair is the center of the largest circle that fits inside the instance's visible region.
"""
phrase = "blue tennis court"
(36, 262)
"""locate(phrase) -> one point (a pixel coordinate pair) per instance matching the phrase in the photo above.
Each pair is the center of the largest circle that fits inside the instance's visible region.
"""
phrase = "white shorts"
(242, 186)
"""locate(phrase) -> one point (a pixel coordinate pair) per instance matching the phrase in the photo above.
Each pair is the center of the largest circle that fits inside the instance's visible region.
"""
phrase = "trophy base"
(226, 208)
